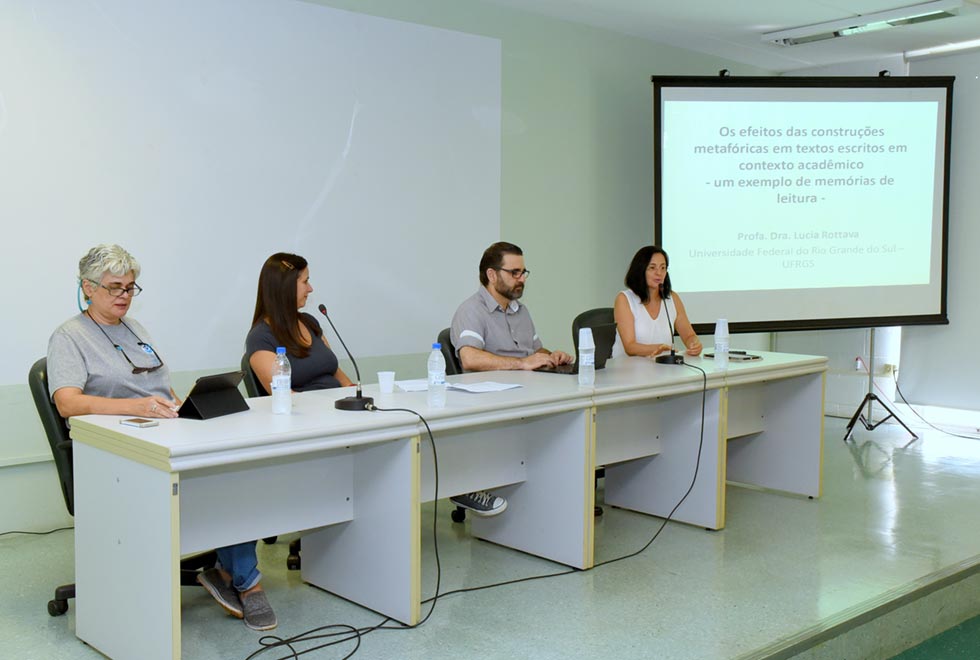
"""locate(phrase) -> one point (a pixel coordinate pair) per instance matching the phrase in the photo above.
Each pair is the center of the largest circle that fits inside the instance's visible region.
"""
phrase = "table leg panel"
(787, 454)
(550, 514)
(375, 559)
(654, 484)
(127, 558)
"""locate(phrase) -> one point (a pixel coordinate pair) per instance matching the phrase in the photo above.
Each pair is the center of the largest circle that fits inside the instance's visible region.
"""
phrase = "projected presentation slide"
(812, 192)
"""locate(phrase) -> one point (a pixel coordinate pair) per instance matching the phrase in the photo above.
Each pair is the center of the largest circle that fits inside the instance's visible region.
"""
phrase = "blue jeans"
(241, 563)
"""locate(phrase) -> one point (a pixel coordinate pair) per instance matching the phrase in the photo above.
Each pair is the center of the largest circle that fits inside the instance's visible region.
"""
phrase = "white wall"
(575, 146)
(940, 363)
(293, 127)
(894, 64)
(846, 385)
(276, 125)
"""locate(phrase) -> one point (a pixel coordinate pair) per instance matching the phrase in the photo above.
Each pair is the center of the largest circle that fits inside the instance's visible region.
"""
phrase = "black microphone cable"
(916, 413)
(357, 372)
(906, 402)
(697, 468)
(352, 633)
(435, 506)
(437, 596)
(690, 488)
(672, 358)
(50, 531)
(341, 633)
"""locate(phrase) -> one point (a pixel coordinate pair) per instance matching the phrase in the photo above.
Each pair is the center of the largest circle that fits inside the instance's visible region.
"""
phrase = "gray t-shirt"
(79, 355)
(482, 323)
(317, 371)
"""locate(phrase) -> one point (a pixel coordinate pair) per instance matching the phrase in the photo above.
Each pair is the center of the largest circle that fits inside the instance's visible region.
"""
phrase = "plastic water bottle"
(721, 344)
(586, 358)
(437, 377)
(282, 384)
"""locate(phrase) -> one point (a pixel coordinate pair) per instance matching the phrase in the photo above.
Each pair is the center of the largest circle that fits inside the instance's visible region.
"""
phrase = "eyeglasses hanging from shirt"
(139, 342)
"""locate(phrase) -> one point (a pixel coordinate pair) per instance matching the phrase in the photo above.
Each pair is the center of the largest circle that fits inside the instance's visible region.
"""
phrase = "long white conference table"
(354, 481)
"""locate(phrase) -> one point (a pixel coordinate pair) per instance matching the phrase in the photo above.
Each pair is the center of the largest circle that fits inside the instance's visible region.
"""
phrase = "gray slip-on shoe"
(223, 592)
(258, 611)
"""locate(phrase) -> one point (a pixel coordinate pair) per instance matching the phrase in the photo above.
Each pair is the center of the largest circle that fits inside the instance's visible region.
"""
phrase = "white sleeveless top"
(648, 330)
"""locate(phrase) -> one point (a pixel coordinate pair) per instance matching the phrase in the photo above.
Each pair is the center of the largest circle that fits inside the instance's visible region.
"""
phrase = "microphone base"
(353, 403)
(672, 358)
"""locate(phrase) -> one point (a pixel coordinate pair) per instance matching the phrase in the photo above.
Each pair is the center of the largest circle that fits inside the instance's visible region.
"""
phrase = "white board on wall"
(204, 135)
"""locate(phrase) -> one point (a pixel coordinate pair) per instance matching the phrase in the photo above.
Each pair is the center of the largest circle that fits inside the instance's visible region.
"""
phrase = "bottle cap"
(280, 350)
(436, 346)
(585, 339)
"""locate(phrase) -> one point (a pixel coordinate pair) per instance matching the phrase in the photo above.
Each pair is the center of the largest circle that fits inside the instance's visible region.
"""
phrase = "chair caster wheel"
(57, 607)
(458, 515)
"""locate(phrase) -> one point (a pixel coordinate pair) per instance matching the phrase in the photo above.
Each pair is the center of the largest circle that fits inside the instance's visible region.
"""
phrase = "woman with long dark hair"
(284, 286)
(642, 310)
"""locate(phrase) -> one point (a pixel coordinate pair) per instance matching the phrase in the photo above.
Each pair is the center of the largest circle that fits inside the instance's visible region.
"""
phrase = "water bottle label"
(281, 383)
(586, 359)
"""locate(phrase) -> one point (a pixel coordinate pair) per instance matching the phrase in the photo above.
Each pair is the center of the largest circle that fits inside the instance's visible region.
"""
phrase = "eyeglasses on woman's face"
(116, 290)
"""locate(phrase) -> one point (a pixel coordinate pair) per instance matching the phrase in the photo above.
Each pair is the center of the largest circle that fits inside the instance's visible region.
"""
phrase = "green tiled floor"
(959, 643)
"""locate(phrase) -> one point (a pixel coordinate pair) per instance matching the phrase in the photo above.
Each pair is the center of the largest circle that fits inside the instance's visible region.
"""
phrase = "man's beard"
(512, 293)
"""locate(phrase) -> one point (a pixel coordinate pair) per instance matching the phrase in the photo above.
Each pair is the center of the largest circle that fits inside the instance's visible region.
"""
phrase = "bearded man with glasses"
(492, 331)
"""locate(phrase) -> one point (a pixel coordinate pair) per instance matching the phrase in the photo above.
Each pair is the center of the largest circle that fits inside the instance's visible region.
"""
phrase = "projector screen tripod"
(869, 399)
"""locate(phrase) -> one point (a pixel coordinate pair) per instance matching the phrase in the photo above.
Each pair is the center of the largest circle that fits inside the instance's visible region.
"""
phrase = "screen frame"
(820, 323)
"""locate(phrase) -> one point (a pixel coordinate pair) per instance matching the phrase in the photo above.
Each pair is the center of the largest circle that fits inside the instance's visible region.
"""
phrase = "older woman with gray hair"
(103, 362)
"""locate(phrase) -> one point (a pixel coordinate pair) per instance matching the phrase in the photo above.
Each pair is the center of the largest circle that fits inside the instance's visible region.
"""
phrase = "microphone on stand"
(673, 358)
(356, 402)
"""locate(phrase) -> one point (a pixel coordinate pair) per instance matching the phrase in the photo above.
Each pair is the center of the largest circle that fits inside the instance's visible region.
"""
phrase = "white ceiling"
(733, 29)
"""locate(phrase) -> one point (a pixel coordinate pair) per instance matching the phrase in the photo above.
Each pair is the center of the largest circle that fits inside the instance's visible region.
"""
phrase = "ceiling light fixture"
(920, 13)
(943, 49)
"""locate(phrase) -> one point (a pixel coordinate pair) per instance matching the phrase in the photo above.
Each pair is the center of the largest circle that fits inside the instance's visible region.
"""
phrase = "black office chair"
(453, 366)
(590, 319)
(252, 384)
(255, 389)
(56, 431)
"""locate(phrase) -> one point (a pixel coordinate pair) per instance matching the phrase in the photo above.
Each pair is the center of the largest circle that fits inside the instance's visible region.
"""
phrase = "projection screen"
(804, 203)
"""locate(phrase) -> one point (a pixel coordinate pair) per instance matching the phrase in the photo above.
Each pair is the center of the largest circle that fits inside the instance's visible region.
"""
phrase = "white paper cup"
(386, 381)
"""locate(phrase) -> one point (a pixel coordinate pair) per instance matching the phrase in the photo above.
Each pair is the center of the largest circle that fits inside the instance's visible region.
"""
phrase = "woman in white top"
(641, 310)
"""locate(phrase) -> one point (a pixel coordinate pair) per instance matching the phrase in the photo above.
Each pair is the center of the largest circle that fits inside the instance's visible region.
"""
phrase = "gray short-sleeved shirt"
(482, 323)
(79, 355)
